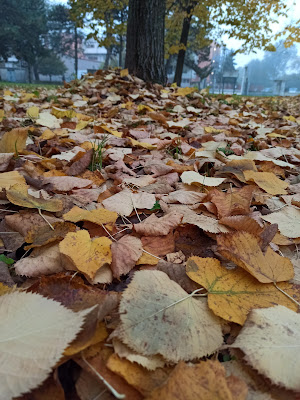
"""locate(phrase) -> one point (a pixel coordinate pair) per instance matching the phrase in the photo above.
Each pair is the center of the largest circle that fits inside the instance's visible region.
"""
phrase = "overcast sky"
(293, 11)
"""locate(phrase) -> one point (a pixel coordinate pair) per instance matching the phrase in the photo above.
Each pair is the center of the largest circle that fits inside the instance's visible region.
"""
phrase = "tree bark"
(145, 40)
(36, 73)
(183, 41)
(29, 73)
(76, 53)
(107, 57)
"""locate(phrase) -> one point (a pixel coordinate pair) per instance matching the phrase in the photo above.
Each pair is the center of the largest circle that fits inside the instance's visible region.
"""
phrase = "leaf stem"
(287, 295)
(45, 219)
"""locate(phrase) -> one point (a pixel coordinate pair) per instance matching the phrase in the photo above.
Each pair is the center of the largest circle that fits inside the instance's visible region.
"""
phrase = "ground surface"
(164, 224)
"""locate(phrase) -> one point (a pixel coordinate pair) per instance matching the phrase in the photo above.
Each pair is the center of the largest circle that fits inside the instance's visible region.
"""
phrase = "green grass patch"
(27, 86)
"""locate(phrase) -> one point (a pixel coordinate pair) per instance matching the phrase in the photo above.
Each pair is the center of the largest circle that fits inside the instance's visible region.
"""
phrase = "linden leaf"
(233, 293)
(192, 177)
(244, 250)
(203, 381)
(125, 253)
(151, 322)
(288, 220)
(30, 348)
(99, 216)
(14, 140)
(153, 226)
(233, 202)
(18, 194)
(270, 340)
(87, 255)
(8, 179)
(124, 202)
(267, 181)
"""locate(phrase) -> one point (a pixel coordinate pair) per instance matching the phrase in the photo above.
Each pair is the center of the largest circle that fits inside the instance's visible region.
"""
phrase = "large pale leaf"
(152, 324)
(288, 220)
(34, 333)
(270, 340)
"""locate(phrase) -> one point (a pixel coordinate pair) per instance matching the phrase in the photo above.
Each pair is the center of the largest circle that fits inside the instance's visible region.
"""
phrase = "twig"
(287, 295)
(108, 385)
(45, 219)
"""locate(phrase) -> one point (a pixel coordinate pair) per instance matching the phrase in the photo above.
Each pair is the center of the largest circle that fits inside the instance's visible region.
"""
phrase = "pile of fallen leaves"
(149, 243)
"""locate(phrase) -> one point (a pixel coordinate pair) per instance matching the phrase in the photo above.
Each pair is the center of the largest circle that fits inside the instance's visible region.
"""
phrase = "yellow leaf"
(99, 336)
(8, 93)
(27, 96)
(8, 179)
(14, 140)
(47, 134)
(184, 91)
(147, 259)
(276, 135)
(33, 112)
(142, 107)
(5, 289)
(142, 144)
(232, 294)
(124, 72)
(267, 181)
(18, 194)
(2, 115)
(244, 250)
(81, 125)
(211, 129)
(87, 255)
(61, 113)
(290, 118)
(99, 216)
(113, 132)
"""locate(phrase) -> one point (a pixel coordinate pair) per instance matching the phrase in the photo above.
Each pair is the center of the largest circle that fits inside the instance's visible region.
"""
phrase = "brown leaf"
(81, 164)
(14, 140)
(153, 226)
(159, 245)
(234, 202)
(43, 235)
(66, 183)
(125, 253)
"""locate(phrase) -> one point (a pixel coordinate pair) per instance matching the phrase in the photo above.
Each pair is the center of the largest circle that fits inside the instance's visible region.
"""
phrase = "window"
(94, 58)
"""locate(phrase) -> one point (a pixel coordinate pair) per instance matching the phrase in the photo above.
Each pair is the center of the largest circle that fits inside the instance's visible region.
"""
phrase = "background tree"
(51, 65)
(24, 28)
(107, 22)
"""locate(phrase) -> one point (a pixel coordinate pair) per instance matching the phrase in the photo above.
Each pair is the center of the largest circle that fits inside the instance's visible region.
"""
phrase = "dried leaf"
(87, 255)
(66, 183)
(193, 178)
(18, 194)
(244, 250)
(152, 324)
(125, 253)
(14, 140)
(267, 181)
(233, 293)
(288, 220)
(8, 179)
(31, 349)
(234, 202)
(99, 216)
(124, 202)
(203, 381)
(153, 226)
(42, 261)
(270, 340)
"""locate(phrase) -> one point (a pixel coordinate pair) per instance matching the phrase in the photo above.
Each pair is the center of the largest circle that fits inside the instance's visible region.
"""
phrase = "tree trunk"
(36, 73)
(183, 41)
(29, 73)
(107, 57)
(145, 40)
(121, 51)
(76, 53)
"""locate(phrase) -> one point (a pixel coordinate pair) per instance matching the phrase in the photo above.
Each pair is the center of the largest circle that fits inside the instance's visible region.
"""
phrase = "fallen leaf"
(5, 159)
(42, 261)
(194, 178)
(18, 194)
(42, 235)
(66, 183)
(233, 293)
(135, 375)
(125, 253)
(124, 202)
(267, 181)
(203, 381)
(234, 202)
(204, 222)
(87, 255)
(184, 331)
(32, 112)
(159, 245)
(99, 216)
(8, 179)
(287, 219)
(153, 226)
(244, 250)
(184, 197)
(14, 141)
(44, 335)
(48, 120)
(270, 340)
